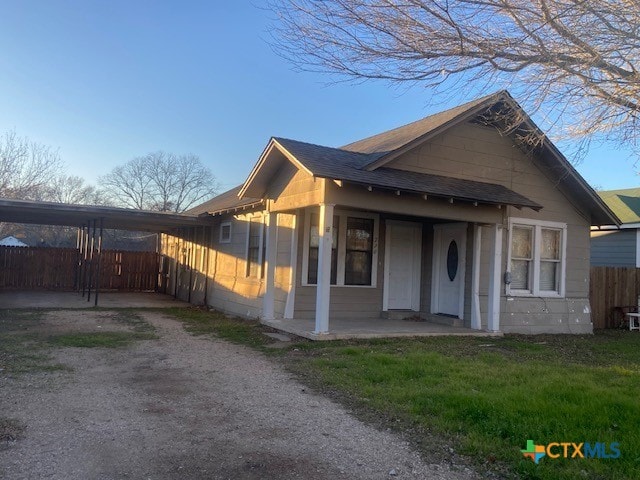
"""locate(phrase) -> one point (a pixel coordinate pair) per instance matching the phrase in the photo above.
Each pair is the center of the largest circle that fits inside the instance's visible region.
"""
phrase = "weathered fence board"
(612, 287)
(59, 269)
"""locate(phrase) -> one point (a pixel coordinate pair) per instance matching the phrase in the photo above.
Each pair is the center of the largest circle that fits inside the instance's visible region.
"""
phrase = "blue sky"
(107, 81)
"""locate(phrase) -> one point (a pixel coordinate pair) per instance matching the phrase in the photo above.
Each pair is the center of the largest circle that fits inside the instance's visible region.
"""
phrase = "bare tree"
(576, 62)
(160, 181)
(72, 189)
(26, 167)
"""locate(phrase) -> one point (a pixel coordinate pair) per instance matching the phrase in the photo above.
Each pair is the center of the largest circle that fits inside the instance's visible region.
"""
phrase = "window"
(225, 232)
(353, 249)
(314, 242)
(359, 251)
(536, 258)
(255, 248)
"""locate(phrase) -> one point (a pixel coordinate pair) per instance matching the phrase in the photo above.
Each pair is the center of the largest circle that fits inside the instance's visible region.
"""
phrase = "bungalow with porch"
(459, 218)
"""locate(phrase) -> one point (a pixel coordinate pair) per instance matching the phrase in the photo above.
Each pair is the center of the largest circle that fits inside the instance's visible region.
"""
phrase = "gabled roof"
(338, 164)
(225, 202)
(364, 161)
(624, 203)
(386, 143)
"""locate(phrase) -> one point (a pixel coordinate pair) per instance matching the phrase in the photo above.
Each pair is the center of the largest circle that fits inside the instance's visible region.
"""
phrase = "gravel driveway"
(190, 408)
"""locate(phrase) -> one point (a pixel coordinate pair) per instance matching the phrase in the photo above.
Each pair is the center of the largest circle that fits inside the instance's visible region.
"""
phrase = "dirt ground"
(185, 407)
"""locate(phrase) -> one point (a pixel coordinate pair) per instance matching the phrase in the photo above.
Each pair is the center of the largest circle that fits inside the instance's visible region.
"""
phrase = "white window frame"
(255, 219)
(537, 226)
(342, 247)
(222, 238)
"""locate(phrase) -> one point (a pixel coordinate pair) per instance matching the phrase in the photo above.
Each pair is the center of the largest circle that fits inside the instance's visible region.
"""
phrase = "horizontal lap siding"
(345, 302)
(228, 287)
(613, 248)
(479, 153)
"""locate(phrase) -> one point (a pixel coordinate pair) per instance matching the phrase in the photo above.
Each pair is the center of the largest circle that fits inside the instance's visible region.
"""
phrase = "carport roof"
(48, 213)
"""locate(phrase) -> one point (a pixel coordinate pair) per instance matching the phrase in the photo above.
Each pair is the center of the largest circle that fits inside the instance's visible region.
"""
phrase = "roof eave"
(533, 206)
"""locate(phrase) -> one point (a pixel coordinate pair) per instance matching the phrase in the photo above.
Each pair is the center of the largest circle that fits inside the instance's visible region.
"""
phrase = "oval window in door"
(452, 260)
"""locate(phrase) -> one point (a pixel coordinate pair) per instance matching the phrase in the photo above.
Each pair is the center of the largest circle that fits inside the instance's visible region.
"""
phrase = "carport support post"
(85, 256)
(99, 259)
(495, 280)
(268, 300)
(79, 246)
(93, 243)
(323, 288)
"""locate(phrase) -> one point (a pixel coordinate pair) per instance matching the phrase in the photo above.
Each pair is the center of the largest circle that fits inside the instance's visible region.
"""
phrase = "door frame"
(436, 262)
(417, 251)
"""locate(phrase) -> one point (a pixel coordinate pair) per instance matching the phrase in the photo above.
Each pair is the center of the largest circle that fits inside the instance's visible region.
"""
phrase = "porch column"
(325, 238)
(476, 319)
(495, 280)
(268, 300)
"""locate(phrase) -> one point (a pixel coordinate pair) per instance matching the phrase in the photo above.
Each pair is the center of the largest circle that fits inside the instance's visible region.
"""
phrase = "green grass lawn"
(487, 397)
(484, 396)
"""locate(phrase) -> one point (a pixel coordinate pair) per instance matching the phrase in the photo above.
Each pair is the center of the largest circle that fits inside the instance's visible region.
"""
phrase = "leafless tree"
(26, 167)
(72, 189)
(160, 181)
(574, 62)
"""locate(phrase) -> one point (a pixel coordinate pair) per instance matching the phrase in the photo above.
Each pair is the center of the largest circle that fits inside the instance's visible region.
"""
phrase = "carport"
(91, 221)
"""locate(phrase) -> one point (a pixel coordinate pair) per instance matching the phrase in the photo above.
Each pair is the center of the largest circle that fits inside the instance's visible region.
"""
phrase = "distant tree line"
(158, 181)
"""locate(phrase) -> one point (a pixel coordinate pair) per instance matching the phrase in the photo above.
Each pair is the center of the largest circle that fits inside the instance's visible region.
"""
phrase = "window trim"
(221, 238)
(341, 247)
(260, 219)
(537, 226)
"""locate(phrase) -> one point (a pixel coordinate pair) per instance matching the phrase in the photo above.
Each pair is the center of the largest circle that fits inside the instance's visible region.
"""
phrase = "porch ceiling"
(47, 213)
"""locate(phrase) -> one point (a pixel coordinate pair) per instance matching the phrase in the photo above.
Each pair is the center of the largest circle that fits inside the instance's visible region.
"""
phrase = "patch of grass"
(21, 349)
(202, 322)
(488, 396)
(99, 339)
(133, 320)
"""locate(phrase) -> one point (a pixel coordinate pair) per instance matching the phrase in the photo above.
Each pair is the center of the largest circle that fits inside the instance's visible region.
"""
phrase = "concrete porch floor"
(342, 329)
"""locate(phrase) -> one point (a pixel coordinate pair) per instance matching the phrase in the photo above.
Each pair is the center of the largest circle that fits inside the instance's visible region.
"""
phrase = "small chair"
(634, 318)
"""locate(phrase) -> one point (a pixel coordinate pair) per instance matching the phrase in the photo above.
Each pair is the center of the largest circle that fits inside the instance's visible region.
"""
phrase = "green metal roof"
(624, 203)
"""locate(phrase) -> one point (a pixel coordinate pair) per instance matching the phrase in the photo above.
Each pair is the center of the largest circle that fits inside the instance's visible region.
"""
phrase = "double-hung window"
(353, 249)
(537, 252)
(255, 248)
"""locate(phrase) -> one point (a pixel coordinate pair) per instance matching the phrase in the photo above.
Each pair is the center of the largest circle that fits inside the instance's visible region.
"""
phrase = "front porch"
(363, 328)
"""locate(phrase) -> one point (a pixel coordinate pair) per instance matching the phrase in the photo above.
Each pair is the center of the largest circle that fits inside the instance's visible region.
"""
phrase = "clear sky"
(106, 81)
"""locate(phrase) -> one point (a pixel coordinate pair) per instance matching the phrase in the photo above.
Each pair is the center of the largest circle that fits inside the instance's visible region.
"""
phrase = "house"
(11, 241)
(613, 245)
(449, 219)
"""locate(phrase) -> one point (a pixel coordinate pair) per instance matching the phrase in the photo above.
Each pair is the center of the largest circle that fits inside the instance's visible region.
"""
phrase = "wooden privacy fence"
(612, 287)
(60, 269)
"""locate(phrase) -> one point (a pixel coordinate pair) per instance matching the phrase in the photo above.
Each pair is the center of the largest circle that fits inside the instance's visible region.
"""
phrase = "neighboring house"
(613, 245)
(446, 218)
(12, 241)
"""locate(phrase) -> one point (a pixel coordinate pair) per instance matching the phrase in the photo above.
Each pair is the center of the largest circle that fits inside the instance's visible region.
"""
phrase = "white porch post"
(323, 289)
(476, 319)
(291, 295)
(268, 300)
(495, 281)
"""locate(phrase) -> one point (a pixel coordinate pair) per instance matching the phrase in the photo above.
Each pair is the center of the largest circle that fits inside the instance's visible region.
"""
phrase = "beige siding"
(222, 267)
(478, 153)
(292, 188)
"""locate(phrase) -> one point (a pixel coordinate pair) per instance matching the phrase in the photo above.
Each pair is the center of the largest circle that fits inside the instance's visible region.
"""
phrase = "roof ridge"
(461, 107)
(318, 145)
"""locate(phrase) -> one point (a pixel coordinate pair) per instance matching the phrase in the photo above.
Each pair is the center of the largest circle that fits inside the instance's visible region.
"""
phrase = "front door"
(402, 266)
(449, 253)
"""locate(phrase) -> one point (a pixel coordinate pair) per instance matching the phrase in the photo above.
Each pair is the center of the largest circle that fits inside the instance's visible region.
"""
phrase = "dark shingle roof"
(224, 202)
(339, 164)
(391, 140)
(624, 203)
